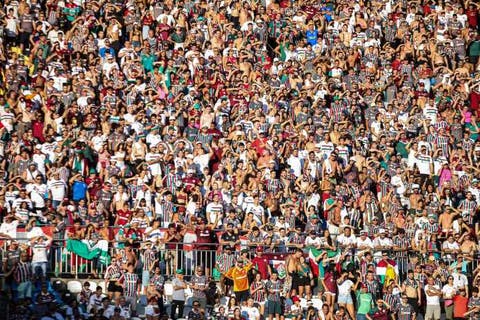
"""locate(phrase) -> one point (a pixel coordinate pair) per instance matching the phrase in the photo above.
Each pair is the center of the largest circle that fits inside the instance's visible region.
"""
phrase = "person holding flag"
(386, 269)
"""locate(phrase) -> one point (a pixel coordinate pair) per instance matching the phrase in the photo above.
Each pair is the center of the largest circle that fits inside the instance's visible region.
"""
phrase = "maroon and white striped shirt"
(23, 273)
(113, 272)
(148, 258)
(130, 284)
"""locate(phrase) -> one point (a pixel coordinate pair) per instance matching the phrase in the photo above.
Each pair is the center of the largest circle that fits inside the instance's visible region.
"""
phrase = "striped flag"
(387, 269)
(313, 254)
(279, 265)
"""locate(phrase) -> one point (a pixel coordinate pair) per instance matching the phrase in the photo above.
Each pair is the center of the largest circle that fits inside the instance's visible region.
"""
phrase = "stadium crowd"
(262, 159)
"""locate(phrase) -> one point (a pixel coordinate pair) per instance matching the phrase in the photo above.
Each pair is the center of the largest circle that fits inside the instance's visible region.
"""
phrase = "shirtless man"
(414, 199)
(293, 265)
(77, 232)
(411, 288)
(359, 160)
(331, 168)
(467, 247)
(445, 221)
(130, 257)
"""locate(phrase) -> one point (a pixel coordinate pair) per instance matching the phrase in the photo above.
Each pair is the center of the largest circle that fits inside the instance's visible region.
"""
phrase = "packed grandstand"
(239, 160)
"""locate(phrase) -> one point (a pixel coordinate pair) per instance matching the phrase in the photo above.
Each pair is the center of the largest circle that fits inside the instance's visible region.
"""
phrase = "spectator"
(282, 125)
(40, 246)
(238, 274)
(179, 286)
(433, 294)
(199, 284)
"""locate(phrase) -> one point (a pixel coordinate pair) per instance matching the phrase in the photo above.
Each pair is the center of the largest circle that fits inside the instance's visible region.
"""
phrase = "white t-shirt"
(345, 288)
(309, 241)
(253, 313)
(364, 243)
(449, 291)
(98, 142)
(430, 112)
(40, 251)
(450, 245)
(201, 161)
(325, 148)
(460, 281)
(154, 235)
(39, 159)
(57, 189)
(189, 238)
(432, 300)
(296, 164)
(346, 241)
(214, 212)
(397, 182)
(9, 228)
(385, 242)
(155, 168)
(423, 162)
(150, 311)
(37, 194)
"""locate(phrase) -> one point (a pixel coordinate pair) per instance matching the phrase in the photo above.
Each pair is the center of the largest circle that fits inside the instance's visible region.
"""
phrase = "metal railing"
(64, 262)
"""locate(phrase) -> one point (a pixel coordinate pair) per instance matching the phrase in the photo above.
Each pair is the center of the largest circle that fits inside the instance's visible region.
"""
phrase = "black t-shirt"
(229, 237)
(194, 315)
(45, 298)
(12, 257)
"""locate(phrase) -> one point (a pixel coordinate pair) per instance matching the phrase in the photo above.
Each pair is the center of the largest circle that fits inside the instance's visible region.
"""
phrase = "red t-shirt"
(204, 238)
(135, 234)
(475, 102)
(261, 264)
(460, 306)
(472, 16)
(123, 217)
(330, 283)
(190, 183)
(259, 145)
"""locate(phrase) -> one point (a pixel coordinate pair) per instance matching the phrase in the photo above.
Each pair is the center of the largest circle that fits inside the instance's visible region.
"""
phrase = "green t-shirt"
(475, 49)
(364, 301)
(148, 61)
(473, 131)
(401, 148)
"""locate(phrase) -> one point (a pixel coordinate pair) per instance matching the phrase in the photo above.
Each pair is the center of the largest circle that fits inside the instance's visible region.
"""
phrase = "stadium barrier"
(66, 264)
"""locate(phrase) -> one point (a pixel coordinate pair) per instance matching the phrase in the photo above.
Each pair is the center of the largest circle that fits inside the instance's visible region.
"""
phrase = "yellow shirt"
(239, 277)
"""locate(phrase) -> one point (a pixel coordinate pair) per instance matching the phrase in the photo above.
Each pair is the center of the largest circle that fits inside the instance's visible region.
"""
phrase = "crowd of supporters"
(240, 159)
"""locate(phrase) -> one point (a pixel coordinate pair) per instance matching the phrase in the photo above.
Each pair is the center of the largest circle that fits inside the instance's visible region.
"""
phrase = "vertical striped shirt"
(167, 211)
(432, 227)
(421, 279)
(443, 142)
(468, 208)
(274, 186)
(148, 259)
(402, 243)
(130, 284)
(258, 296)
(405, 312)
(23, 273)
(372, 287)
(225, 262)
(171, 181)
(113, 272)
(392, 300)
(275, 287)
